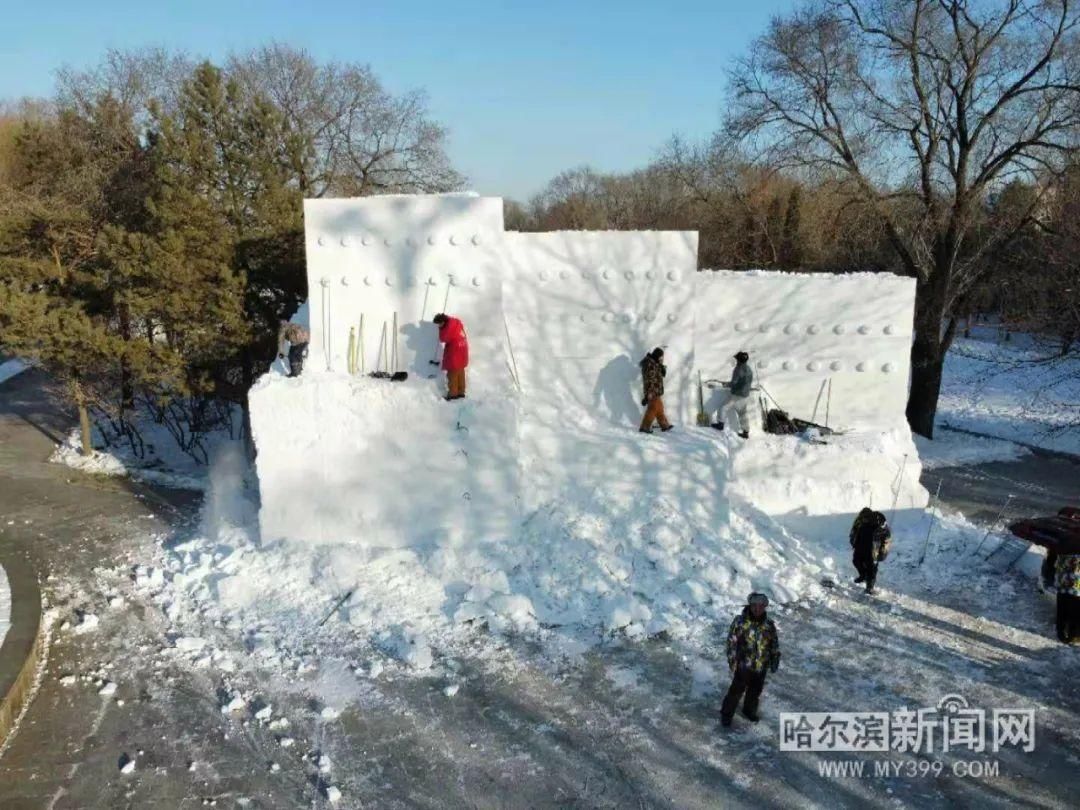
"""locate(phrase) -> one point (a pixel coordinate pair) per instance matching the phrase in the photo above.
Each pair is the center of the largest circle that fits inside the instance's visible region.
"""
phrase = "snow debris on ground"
(1015, 390)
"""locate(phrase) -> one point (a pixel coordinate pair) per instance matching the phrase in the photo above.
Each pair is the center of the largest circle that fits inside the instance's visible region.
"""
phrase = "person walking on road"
(737, 395)
(653, 372)
(297, 337)
(752, 648)
(1067, 580)
(870, 539)
(455, 358)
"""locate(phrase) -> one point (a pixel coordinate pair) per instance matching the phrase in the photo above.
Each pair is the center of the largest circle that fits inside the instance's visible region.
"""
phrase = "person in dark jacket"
(653, 372)
(752, 648)
(738, 395)
(870, 539)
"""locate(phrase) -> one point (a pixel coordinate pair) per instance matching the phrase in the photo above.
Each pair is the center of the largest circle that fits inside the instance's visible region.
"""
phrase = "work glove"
(281, 356)
(644, 401)
(775, 664)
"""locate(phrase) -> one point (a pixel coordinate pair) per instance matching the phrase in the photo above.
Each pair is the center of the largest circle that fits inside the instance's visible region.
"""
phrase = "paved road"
(629, 726)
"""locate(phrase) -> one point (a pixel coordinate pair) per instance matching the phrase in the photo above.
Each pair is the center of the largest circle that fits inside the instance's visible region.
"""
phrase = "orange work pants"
(455, 383)
(655, 410)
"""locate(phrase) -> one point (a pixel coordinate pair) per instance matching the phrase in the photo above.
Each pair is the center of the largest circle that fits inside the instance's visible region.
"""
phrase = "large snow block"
(381, 464)
(835, 346)
(406, 256)
(583, 307)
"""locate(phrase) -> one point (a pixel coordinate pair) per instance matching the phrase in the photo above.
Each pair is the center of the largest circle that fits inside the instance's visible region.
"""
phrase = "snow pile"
(575, 529)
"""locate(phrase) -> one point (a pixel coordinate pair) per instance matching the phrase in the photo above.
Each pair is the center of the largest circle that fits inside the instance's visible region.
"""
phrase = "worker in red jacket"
(455, 354)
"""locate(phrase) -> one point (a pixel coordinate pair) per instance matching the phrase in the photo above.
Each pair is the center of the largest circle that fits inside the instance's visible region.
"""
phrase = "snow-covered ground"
(162, 461)
(1012, 390)
(5, 605)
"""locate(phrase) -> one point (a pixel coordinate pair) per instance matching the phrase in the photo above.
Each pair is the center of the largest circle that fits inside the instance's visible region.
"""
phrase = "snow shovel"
(395, 374)
(381, 361)
(337, 605)
(435, 359)
(702, 419)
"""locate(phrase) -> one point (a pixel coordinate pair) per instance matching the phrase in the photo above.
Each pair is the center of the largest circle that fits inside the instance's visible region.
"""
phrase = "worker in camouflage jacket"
(653, 372)
(1067, 580)
(297, 337)
(870, 540)
(753, 648)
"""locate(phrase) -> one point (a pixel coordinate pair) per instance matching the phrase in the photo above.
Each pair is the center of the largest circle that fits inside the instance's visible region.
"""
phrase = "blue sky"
(527, 89)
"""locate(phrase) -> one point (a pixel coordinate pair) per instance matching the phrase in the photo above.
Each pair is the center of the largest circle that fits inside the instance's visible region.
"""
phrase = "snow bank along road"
(502, 723)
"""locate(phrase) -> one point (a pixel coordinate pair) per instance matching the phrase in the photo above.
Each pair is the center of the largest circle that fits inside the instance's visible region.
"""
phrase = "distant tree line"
(151, 229)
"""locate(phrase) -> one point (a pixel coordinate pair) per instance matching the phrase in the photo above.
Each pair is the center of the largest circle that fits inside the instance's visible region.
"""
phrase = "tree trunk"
(127, 391)
(84, 421)
(927, 361)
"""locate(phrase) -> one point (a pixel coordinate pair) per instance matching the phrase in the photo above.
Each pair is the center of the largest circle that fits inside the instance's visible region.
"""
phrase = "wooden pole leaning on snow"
(828, 402)
(325, 283)
(933, 517)
(446, 301)
(993, 525)
(360, 341)
(393, 350)
(896, 493)
(510, 348)
(351, 359)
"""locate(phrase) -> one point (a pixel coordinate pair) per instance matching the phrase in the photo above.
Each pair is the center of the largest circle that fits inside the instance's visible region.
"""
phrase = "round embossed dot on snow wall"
(672, 276)
(344, 281)
(389, 282)
(864, 330)
(813, 365)
(889, 330)
(861, 366)
(763, 364)
(325, 281)
(476, 240)
(888, 368)
(839, 329)
(476, 281)
(388, 241)
(564, 275)
(345, 241)
(431, 240)
(671, 318)
(764, 328)
(367, 281)
(543, 275)
(813, 329)
(791, 329)
(629, 274)
(608, 317)
(650, 275)
(367, 240)
(455, 240)
(627, 317)
(836, 365)
(742, 326)
(606, 274)
(322, 241)
(789, 365)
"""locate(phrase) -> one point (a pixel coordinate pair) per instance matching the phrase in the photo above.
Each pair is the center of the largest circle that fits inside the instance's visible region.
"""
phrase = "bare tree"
(345, 133)
(926, 106)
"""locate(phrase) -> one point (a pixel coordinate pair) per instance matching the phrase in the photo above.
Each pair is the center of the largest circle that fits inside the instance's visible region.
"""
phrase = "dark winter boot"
(666, 428)
(644, 430)
(744, 434)
(751, 716)
(725, 720)
(718, 425)
(860, 578)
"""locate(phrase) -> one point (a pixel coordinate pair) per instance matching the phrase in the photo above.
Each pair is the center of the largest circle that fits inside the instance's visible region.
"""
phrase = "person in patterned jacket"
(297, 337)
(653, 372)
(870, 540)
(752, 648)
(1067, 580)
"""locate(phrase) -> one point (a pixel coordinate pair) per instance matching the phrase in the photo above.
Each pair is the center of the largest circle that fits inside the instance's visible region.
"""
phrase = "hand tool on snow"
(702, 419)
(337, 605)
(351, 360)
(360, 341)
(930, 528)
(1000, 515)
(435, 360)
